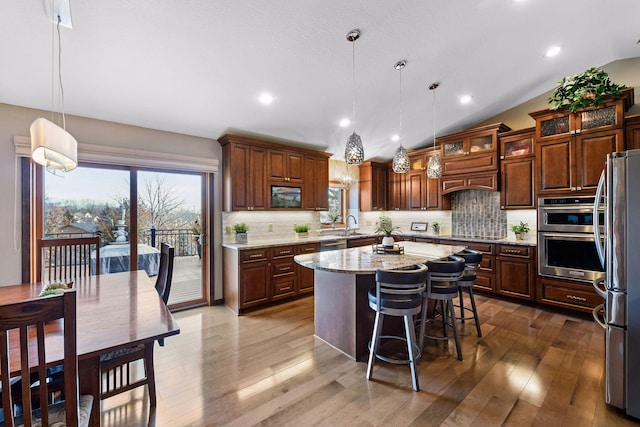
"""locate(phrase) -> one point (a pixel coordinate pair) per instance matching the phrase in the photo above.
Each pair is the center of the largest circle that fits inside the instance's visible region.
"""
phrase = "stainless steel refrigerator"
(619, 252)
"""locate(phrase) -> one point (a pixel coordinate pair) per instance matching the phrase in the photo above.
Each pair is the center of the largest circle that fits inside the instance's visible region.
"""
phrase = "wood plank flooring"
(533, 367)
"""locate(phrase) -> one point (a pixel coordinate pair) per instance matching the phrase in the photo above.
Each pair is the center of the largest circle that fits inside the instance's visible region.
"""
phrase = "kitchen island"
(342, 315)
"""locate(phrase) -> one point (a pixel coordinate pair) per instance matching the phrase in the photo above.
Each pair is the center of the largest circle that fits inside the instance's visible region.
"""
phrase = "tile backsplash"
(478, 213)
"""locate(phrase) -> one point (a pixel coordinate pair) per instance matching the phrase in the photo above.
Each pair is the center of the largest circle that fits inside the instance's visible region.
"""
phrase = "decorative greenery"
(436, 226)
(384, 227)
(523, 227)
(333, 216)
(303, 228)
(584, 90)
(240, 228)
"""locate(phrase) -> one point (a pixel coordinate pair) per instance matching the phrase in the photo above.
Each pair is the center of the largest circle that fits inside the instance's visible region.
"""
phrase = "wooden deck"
(534, 367)
(187, 279)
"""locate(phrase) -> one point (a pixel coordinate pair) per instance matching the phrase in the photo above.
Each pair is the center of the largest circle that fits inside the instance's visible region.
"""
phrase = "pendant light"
(51, 145)
(401, 158)
(434, 168)
(354, 152)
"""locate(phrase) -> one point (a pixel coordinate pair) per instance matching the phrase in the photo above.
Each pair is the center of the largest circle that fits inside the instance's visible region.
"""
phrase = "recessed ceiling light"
(266, 99)
(395, 138)
(552, 51)
(465, 99)
(344, 123)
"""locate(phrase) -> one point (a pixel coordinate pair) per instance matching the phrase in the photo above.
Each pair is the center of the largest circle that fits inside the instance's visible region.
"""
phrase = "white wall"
(15, 121)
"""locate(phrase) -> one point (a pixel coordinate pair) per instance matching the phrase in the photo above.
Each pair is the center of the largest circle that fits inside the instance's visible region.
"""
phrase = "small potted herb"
(333, 217)
(520, 230)
(584, 90)
(241, 232)
(301, 230)
(386, 230)
(436, 227)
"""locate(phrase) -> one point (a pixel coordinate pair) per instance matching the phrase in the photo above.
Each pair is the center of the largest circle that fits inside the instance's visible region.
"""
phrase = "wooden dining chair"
(65, 259)
(27, 319)
(118, 373)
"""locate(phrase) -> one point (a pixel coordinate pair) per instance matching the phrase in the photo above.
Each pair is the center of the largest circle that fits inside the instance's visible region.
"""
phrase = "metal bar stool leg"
(475, 312)
(375, 342)
(411, 339)
(461, 295)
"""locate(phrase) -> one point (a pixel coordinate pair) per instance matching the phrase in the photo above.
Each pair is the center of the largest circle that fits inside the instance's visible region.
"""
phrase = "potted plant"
(241, 232)
(386, 230)
(436, 227)
(584, 90)
(520, 230)
(301, 230)
(333, 217)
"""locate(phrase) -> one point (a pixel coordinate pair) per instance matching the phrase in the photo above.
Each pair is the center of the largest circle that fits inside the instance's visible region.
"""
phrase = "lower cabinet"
(567, 293)
(255, 277)
(361, 241)
(515, 267)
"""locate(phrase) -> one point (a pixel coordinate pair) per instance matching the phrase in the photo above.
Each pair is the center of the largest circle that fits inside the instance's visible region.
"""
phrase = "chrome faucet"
(347, 228)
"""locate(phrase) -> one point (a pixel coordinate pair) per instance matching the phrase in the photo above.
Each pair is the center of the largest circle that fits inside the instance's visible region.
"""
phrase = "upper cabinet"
(422, 192)
(517, 161)
(471, 151)
(632, 132)
(251, 166)
(373, 186)
(571, 148)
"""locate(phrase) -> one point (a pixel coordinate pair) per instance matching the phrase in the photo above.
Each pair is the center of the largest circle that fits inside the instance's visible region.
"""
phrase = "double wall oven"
(566, 238)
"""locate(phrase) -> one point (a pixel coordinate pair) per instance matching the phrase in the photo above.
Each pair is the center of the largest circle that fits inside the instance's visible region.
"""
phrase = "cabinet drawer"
(514, 250)
(308, 248)
(283, 287)
(484, 282)
(425, 240)
(569, 294)
(282, 251)
(282, 267)
(254, 255)
(485, 248)
(488, 263)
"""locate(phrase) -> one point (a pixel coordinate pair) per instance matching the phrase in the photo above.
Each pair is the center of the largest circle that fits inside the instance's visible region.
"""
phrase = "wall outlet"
(368, 223)
(229, 229)
(270, 228)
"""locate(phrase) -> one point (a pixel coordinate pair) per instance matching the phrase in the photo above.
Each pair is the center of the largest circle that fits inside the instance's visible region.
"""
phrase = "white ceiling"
(197, 67)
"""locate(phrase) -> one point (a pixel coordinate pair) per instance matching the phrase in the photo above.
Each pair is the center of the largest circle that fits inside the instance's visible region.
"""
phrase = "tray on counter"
(383, 250)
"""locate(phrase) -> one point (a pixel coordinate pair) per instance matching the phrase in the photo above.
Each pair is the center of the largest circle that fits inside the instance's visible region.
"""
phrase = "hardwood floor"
(533, 367)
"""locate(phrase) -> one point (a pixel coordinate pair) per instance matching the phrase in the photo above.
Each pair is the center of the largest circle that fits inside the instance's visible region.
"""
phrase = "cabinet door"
(397, 184)
(238, 164)
(416, 190)
(632, 133)
(517, 190)
(515, 277)
(322, 183)
(277, 165)
(254, 284)
(257, 189)
(305, 278)
(295, 167)
(553, 166)
(380, 187)
(432, 196)
(591, 156)
(309, 192)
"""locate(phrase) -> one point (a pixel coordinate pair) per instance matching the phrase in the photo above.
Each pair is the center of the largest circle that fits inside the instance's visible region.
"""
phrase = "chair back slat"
(26, 318)
(66, 259)
(165, 271)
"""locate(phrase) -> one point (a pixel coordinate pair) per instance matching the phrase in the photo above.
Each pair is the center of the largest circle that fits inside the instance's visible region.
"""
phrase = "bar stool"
(442, 285)
(397, 293)
(472, 259)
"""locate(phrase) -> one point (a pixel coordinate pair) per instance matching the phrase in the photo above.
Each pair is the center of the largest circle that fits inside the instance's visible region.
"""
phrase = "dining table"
(113, 311)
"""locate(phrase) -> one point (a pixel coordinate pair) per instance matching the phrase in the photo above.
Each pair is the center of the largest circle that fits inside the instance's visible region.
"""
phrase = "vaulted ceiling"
(197, 67)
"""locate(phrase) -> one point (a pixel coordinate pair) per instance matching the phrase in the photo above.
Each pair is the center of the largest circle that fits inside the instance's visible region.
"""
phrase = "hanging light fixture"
(354, 152)
(434, 168)
(401, 158)
(51, 145)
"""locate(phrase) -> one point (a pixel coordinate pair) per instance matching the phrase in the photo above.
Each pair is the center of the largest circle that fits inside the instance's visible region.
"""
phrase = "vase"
(387, 241)
(520, 236)
(241, 237)
(303, 234)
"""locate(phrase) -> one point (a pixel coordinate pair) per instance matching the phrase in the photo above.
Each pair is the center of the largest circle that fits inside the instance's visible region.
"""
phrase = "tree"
(157, 207)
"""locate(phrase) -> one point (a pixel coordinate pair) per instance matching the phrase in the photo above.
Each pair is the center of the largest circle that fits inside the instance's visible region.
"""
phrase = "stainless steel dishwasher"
(333, 245)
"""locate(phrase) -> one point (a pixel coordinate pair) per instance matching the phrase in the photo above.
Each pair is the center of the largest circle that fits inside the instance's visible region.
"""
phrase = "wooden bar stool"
(442, 286)
(472, 261)
(397, 293)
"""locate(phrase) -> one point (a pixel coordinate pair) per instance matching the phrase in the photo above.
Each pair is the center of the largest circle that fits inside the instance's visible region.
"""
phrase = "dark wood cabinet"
(361, 241)
(244, 178)
(423, 193)
(285, 166)
(396, 190)
(571, 148)
(316, 183)
(632, 132)
(483, 181)
(283, 272)
(254, 277)
(567, 294)
(373, 186)
(250, 166)
(517, 160)
(515, 270)
(471, 151)
(304, 274)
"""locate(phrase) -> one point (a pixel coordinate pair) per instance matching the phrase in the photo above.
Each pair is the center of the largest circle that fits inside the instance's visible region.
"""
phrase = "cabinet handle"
(285, 268)
(256, 256)
(501, 207)
(501, 157)
(579, 188)
(285, 289)
(285, 252)
(577, 298)
(309, 250)
(573, 188)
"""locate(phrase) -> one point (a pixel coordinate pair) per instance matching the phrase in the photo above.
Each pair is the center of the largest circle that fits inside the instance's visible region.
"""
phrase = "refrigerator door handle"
(596, 316)
(600, 290)
(596, 218)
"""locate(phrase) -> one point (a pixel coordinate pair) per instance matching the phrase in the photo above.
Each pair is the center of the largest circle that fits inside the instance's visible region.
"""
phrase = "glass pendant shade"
(52, 146)
(354, 153)
(401, 160)
(434, 168)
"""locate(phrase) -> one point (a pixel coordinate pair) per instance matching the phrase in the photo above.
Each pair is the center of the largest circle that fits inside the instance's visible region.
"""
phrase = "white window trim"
(106, 155)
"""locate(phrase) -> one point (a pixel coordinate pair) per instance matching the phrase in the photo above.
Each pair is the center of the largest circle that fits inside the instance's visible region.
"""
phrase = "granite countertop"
(362, 260)
(530, 240)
